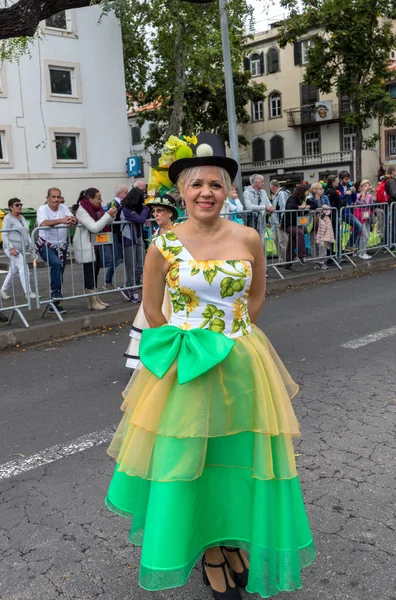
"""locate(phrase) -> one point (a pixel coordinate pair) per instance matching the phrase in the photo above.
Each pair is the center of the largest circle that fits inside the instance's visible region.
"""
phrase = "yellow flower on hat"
(193, 140)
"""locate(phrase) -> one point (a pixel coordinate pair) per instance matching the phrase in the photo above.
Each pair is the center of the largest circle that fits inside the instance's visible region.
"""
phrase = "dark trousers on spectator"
(296, 242)
(91, 273)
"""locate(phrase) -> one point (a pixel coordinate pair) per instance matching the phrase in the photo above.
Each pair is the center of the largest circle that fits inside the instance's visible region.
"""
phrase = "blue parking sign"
(135, 166)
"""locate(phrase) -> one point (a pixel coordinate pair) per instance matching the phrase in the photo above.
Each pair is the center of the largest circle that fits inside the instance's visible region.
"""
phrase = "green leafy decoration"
(236, 325)
(229, 286)
(194, 271)
(175, 249)
(210, 274)
(217, 325)
(171, 236)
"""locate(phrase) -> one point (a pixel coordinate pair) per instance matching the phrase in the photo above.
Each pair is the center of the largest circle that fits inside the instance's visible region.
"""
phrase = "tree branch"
(23, 17)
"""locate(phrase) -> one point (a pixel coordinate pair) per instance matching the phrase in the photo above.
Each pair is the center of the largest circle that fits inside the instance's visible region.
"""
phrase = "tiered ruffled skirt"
(210, 463)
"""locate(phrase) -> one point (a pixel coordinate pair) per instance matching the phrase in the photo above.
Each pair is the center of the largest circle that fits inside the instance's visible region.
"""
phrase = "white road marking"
(369, 339)
(50, 455)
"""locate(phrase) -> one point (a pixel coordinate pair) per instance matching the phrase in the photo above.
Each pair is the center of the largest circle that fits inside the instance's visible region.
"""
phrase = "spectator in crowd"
(335, 201)
(92, 219)
(52, 243)
(140, 185)
(348, 197)
(390, 188)
(365, 215)
(323, 229)
(134, 213)
(232, 206)
(298, 203)
(113, 252)
(280, 196)
(255, 198)
(15, 243)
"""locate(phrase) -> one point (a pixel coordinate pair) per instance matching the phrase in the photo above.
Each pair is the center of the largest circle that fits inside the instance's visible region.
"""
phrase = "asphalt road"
(57, 540)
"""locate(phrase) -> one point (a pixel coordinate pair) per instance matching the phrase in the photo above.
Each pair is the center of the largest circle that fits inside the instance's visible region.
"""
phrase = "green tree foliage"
(352, 44)
(173, 59)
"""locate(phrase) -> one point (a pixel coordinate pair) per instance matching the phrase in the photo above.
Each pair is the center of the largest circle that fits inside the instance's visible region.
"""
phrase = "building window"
(136, 135)
(277, 147)
(348, 138)
(392, 90)
(6, 154)
(258, 111)
(63, 81)
(68, 147)
(255, 66)
(62, 20)
(275, 105)
(258, 150)
(273, 60)
(311, 143)
(393, 54)
(305, 45)
(392, 145)
(61, 24)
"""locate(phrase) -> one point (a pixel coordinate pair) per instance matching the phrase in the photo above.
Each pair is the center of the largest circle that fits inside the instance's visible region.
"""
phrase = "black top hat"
(166, 200)
(210, 152)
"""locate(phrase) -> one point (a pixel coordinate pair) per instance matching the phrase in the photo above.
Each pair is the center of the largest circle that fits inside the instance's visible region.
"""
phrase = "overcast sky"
(265, 12)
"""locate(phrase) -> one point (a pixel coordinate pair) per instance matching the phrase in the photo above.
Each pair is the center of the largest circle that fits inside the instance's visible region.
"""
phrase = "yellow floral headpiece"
(174, 149)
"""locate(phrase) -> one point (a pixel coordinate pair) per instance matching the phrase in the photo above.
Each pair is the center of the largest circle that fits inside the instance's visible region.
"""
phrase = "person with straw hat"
(205, 460)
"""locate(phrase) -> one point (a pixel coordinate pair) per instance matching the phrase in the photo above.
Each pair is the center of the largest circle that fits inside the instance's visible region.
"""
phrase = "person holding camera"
(348, 196)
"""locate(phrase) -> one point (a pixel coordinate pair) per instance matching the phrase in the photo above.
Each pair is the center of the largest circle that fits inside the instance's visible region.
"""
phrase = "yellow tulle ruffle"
(171, 432)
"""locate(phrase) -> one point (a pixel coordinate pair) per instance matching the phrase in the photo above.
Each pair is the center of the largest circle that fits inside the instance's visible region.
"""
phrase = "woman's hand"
(112, 212)
(13, 252)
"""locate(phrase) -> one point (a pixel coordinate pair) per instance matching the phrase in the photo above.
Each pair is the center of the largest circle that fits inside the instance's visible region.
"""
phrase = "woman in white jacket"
(91, 219)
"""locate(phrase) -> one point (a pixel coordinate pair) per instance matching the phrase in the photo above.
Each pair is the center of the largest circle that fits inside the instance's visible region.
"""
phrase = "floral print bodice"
(209, 294)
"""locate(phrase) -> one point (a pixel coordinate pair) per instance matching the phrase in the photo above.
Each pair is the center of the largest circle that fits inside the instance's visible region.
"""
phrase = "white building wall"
(101, 114)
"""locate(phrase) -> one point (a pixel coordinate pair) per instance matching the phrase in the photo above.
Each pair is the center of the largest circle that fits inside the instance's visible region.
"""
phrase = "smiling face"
(205, 193)
(97, 200)
(163, 216)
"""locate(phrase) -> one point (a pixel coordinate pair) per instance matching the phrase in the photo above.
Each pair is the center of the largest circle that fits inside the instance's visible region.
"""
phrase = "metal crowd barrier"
(366, 227)
(108, 250)
(18, 269)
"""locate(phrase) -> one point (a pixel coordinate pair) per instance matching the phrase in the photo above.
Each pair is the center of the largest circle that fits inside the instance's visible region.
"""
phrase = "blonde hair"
(189, 175)
(316, 186)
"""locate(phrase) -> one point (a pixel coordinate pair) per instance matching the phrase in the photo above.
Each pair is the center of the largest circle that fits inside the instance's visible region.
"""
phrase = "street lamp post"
(229, 85)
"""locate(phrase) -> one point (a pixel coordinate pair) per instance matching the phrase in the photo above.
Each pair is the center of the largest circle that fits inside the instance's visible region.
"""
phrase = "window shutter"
(276, 144)
(258, 147)
(246, 63)
(297, 53)
(345, 104)
(262, 70)
(309, 94)
(273, 60)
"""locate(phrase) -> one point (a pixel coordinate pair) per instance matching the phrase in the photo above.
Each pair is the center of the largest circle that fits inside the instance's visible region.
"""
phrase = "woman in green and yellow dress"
(205, 460)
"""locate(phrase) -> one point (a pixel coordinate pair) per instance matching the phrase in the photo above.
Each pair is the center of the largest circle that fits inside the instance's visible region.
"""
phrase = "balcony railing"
(299, 161)
(313, 114)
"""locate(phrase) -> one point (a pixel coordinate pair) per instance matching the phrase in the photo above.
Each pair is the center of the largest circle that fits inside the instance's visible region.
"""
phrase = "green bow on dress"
(197, 351)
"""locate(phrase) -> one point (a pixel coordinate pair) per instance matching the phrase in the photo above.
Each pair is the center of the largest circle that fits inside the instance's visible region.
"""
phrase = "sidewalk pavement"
(78, 318)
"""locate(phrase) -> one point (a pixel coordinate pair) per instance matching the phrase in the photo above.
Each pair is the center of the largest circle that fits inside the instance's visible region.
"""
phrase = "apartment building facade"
(297, 133)
(63, 114)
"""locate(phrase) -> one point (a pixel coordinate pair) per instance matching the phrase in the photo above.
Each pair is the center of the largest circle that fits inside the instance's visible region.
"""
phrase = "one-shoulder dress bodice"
(206, 294)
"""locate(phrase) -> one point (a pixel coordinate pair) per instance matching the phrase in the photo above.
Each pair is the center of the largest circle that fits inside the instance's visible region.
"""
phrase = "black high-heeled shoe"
(241, 578)
(231, 593)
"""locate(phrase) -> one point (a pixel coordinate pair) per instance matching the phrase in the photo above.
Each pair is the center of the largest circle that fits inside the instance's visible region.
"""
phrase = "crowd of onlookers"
(324, 205)
(336, 201)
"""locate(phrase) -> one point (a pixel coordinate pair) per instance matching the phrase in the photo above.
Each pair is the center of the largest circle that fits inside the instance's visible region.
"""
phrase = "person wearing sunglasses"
(16, 241)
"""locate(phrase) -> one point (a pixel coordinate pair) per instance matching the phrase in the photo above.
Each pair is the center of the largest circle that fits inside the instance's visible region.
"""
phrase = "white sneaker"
(364, 255)
(4, 295)
(32, 295)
